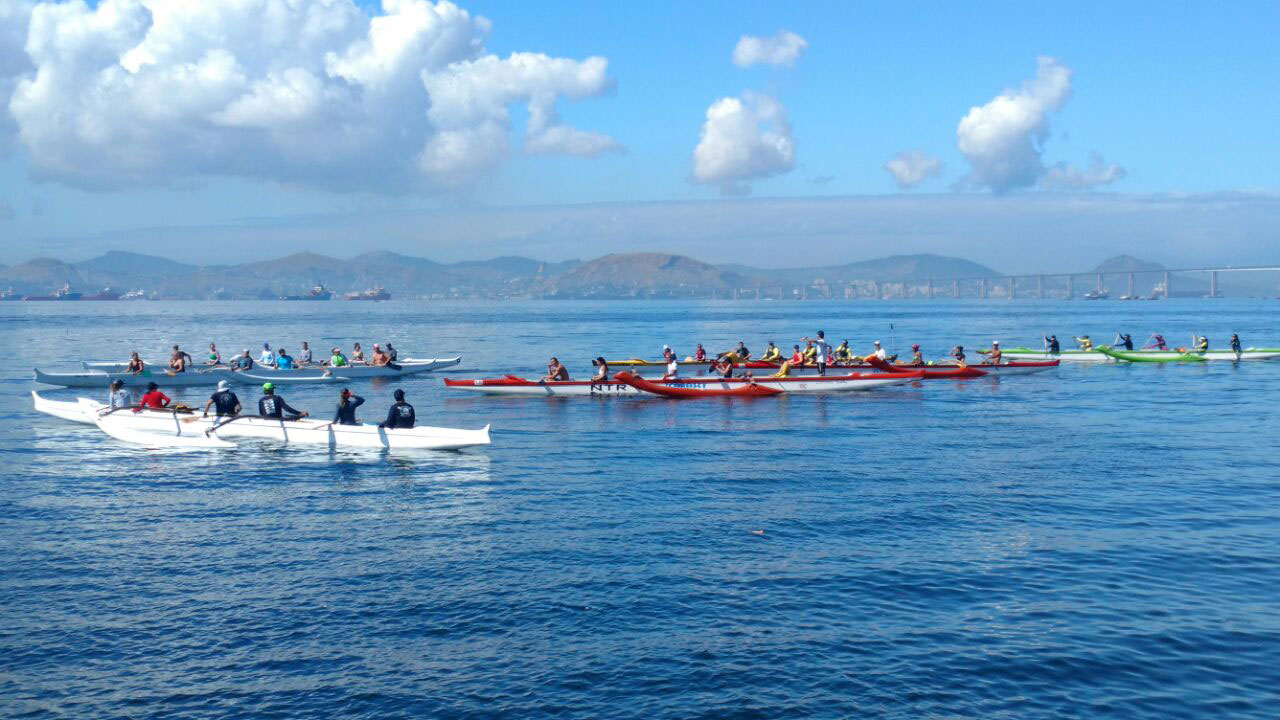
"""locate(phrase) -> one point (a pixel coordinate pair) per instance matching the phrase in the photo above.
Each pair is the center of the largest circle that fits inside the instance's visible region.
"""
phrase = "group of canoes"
(817, 353)
(1123, 340)
(226, 405)
(277, 359)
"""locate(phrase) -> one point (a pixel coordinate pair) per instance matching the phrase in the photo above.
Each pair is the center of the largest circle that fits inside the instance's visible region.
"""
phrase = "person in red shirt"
(700, 354)
(153, 399)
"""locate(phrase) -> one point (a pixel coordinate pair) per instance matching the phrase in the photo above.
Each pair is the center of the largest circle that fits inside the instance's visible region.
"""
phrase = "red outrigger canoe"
(744, 390)
(930, 372)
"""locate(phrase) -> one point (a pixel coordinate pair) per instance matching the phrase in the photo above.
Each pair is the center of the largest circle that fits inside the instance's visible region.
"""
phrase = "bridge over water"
(1010, 284)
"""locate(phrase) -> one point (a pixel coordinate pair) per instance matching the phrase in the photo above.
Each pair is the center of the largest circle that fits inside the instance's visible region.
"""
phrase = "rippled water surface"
(1088, 542)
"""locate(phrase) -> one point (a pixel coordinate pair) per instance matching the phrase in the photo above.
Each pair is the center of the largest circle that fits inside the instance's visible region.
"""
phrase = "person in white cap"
(993, 355)
(879, 352)
(226, 402)
(243, 362)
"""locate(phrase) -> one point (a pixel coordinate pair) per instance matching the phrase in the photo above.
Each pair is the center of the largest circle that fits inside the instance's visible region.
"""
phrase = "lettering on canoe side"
(607, 388)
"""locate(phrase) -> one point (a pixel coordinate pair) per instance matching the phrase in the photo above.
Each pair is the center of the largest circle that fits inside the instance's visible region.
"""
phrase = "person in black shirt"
(224, 401)
(392, 355)
(274, 406)
(1123, 340)
(1235, 344)
(347, 404)
(1052, 342)
(400, 415)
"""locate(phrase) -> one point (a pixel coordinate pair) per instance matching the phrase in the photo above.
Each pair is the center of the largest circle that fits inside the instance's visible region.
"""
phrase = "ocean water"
(1088, 542)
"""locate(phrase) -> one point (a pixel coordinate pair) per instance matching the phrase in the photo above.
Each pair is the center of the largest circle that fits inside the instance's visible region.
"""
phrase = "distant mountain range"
(618, 275)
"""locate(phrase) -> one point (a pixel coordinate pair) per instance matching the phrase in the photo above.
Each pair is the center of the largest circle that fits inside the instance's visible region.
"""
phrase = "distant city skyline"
(1039, 139)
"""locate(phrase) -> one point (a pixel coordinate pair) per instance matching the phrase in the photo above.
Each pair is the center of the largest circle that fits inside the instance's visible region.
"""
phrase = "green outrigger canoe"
(1142, 357)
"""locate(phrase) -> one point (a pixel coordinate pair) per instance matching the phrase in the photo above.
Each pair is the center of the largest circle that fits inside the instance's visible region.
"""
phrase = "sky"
(1028, 137)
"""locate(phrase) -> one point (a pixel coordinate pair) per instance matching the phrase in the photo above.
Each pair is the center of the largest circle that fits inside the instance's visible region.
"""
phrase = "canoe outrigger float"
(514, 385)
(1098, 356)
(259, 374)
(158, 428)
(1150, 357)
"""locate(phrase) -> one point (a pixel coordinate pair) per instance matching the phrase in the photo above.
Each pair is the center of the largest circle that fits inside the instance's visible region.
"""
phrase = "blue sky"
(1171, 98)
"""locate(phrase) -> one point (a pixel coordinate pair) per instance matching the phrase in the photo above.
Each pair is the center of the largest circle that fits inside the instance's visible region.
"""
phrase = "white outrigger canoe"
(135, 427)
(1094, 356)
(408, 366)
(99, 377)
(513, 385)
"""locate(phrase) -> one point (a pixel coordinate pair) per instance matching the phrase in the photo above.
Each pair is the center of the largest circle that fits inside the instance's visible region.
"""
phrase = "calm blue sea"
(1088, 542)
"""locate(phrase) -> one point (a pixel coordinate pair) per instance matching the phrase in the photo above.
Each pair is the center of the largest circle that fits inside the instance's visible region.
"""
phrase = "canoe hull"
(512, 385)
(1097, 356)
(1137, 357)
(302, 432)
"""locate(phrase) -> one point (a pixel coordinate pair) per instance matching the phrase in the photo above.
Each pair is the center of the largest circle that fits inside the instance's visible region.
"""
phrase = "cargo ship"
(375, 294)
(318, 292)
(104, 294)
(63, 293)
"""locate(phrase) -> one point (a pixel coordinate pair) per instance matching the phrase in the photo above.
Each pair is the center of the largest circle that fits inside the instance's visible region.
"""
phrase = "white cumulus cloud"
(309, 92)
(781, 49)
(1003, 140)
(15, 15)
(743, 138)
(909, 168)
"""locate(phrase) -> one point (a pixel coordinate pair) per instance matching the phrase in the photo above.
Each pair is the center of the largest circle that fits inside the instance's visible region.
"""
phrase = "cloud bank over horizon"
(311, 93)
(1022, 233)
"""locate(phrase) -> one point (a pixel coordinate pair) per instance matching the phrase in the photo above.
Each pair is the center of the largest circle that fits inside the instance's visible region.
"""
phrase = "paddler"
(266, 358)
(242, 362)
(958, 353)
(797, 357)
(842, 353)
(336, 358)
(699, 354)
(284, 361)
(1084, 343)
(809, 352)
(186, 356)
(1235, 345)
(1051, 343)
(1202, 345)
(177, 361)
(152, 398)
(357, 354)
(602, 370)
(1123, 340)
(673, 368)
(379, 358)
(400, 415)
(271, 405)
(917, 359)
(119, 397)
(392, 355)
(772, 353)
(1156, 342)
(994, 356)
(224, 401)
(879, 351)
(347, 404)
(136, 366)
(722, 367)
(556, 372)
(215, 358)
(742, 351)
(304, 355)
